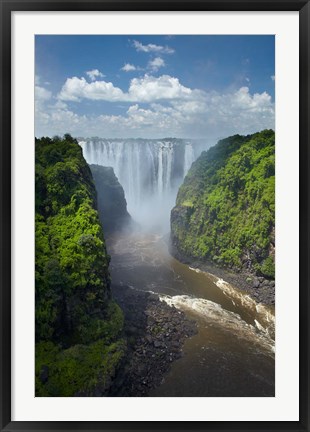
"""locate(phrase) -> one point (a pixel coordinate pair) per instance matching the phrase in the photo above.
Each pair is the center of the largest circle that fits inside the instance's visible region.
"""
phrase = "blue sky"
(154, 86)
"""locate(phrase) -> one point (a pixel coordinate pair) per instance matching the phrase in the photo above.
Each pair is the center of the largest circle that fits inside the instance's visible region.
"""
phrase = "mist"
(153, 213)
(150, 172)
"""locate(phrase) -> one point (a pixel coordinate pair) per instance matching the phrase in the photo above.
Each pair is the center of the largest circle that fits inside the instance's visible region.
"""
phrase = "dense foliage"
(75, 317)
(225, 210)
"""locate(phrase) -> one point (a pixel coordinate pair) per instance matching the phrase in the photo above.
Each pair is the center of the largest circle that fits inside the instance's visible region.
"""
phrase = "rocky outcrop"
(111, 202)
(225, 211)
(155, 333)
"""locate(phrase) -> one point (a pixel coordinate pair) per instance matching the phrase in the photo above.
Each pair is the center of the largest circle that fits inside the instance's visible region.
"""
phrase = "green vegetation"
(77, 323)
(225, 210)
(79, 370)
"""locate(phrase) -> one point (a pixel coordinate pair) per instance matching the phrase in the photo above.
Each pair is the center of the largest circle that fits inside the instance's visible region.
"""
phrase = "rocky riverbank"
(261, 289)
(155, 333)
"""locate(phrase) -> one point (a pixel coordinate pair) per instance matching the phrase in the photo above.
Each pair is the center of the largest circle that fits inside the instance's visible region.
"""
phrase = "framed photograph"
(154, 215)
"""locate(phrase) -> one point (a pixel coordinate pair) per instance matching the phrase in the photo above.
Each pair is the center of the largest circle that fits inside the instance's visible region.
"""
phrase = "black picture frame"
(7, 7)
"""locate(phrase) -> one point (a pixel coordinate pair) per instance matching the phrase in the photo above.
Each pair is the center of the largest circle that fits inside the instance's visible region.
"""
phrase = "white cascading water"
(215, 314)
(189, 157)
(150, 172)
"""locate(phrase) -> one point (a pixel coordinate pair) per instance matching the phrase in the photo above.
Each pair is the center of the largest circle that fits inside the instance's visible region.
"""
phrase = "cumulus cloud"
(94, 74)
(41, 97)
(156, 64)
(76, 89)
(41, 93)
(164, 87)
(217, 115)
(128, 67)
(183, 112)
(146, 89)
(273, 77)
(56, 121)
(152, 48)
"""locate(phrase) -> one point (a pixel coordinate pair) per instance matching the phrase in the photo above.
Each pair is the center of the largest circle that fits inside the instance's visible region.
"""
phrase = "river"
(233, 353)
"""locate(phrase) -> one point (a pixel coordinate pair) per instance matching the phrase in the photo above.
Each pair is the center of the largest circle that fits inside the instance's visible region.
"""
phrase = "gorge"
(191, 326)
(151, 172)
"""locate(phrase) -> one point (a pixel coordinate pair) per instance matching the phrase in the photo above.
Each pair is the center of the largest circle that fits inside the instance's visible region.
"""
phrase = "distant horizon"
(145, 138)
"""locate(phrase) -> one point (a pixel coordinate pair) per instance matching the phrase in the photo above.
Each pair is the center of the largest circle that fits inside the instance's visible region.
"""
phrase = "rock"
(151, 320)
(256, 283)
(112, 205)
(175, 344)
(160, 343)
(149, 338)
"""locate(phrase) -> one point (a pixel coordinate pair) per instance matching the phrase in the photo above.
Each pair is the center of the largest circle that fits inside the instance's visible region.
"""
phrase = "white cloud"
(146, 89)
(156, 64)
(152, 48)
(164, 87)
(41, 93)
(183, 112)
(128, 67)
(94, 73)
(273, 77)
(76, 89)
(38, 81)
(60, 105)
(41, 97)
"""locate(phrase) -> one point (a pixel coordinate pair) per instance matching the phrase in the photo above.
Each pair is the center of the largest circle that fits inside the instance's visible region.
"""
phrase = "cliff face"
(225, 209)
(77, 322)
(112, 206)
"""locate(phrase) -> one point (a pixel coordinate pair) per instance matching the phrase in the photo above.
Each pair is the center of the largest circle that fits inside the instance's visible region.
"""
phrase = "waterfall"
(188, 157)
(150, 171)
(160, 171)
(169, 156)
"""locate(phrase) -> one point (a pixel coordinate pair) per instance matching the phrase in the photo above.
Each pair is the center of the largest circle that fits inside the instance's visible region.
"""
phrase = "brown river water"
(233, 353)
